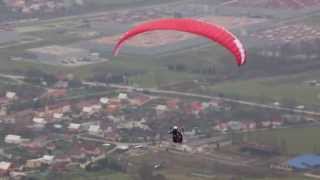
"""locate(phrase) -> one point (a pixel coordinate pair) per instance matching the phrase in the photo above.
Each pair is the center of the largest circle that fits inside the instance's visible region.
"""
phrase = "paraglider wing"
(214, 32)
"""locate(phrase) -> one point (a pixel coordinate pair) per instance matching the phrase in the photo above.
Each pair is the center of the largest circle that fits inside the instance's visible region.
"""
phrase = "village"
(71, 110)
(75, 132)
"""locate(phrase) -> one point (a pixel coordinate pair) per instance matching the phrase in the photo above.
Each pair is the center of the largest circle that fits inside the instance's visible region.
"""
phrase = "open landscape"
(70, 109)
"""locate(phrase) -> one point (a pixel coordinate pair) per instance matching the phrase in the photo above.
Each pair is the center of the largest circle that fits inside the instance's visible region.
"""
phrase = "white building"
(122, 96)
(13, 139)
(234, 125)
(66, 108)
(11, 95)
(57, 115)
(266, 124)
(39, 120)
(5, 166)
(96, 107)
(300, 107)
(104, 100)
(94, 129)
(57, 126)
(47, 159)
(123, 147)
(161, 108)
(74, 126)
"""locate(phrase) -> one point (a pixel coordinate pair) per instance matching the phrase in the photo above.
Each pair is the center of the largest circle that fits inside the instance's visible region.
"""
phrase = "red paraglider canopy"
(214, 32)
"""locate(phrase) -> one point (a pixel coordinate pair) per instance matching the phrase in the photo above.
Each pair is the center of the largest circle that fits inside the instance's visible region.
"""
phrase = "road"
(218, 159)
(195, 95)
(118, 144)
(247, 103)
(18, 79)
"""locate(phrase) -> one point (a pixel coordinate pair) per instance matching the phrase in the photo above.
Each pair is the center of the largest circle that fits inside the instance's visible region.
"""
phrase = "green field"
(279, 88)
(81, 174)
(286, 178)
(298, 140)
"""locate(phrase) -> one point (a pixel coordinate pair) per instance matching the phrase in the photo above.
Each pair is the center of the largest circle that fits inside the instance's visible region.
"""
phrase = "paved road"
(217, 159)
(248, 103)
(167, 92)
(99, 140)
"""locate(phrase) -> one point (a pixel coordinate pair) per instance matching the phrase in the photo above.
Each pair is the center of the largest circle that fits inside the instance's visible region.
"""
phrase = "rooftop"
(303, 162)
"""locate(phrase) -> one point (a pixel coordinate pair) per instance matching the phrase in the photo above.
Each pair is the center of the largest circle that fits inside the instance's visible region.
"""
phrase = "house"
(123, 147)
(247, 126)
(17, 175)
(252, 125)
(3, 111)
(172, 104)
(161, 108)
(33, 164)
(276, 103)
(58, 126)
(36, 144)
(235, 125)
(57, 92)
(61, 85)
(91, 150)
(96, 107)
(134, 124)
(60, 163)
(266, 124)
(74, 127)
(13, 139)
(140, 100)
(290, 118)
(111, 108)
(87, 109)
(39, 120)
(122, 96)
(66, 108)
(39, 162)
(94, 129)
(11, 95)
(104, 100)
(57, 115)
(300, 107)
(75, 153)
(216, 104)
(4, 101)
(5, 168)
(196, 107)
(277, 123)
(223, 127)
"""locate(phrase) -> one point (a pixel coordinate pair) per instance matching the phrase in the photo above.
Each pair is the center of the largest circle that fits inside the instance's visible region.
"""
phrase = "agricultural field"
(297, 140)
(189, 167)
(279, 88)
(81, 174)
(277, 4)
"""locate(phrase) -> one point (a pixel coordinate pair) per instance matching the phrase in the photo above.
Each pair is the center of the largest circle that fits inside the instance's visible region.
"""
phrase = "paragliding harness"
(177, 136)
